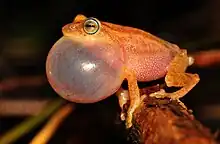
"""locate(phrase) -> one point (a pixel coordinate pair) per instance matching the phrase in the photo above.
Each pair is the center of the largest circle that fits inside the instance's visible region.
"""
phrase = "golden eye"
(91, 26)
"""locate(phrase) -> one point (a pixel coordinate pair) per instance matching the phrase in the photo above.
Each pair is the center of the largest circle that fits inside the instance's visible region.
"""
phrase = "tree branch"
(207, 58)
(161, 121)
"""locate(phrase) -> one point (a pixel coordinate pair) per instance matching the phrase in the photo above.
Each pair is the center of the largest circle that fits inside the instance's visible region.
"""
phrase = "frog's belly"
(149, 67)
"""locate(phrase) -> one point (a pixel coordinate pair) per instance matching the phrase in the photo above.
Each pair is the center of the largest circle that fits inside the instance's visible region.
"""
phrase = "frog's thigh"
(134, 95)
(177, 77)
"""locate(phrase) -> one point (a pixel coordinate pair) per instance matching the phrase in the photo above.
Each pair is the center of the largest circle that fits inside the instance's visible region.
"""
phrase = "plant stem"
(26, 126)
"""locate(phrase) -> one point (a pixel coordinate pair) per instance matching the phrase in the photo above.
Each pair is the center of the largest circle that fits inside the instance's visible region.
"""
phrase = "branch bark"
(161, 121)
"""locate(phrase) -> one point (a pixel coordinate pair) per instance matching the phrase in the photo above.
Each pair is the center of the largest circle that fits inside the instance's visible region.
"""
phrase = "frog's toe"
(122, 116)
(160, 94)
(129, 121)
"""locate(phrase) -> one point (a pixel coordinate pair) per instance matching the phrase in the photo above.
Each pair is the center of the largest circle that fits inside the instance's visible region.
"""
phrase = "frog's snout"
(69, 28)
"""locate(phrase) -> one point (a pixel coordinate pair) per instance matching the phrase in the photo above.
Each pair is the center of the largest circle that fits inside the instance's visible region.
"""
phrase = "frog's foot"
(163, 94)
(123, 98)
(160, 94)
(131, 110)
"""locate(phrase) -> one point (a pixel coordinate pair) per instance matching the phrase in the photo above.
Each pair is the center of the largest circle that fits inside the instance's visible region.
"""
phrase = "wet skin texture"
(93, 57)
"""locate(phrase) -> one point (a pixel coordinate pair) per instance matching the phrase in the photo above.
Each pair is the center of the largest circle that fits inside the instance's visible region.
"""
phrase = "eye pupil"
(91, 26)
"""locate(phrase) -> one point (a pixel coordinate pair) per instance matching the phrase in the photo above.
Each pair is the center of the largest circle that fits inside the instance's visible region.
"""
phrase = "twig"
(16, 107)
(161, 121)
(45, 134)
(207, 58)
(16, 82)
(23, 128)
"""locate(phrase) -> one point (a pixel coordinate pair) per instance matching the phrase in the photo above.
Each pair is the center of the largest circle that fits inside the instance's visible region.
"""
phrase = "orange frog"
(91, 60)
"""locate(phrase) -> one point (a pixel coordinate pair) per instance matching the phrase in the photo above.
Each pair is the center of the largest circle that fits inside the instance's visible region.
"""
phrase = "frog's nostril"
(68, 28)
(71, 27)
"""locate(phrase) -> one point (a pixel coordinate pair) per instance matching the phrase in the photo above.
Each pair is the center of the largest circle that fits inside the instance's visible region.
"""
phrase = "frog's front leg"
(177, 77)
(123, 98)
(133, 95)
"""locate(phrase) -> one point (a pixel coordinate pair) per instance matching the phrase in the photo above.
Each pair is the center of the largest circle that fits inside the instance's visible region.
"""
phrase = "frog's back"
(147, 55)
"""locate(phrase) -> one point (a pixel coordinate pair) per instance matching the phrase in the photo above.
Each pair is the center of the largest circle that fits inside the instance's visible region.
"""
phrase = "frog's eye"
(91, 26)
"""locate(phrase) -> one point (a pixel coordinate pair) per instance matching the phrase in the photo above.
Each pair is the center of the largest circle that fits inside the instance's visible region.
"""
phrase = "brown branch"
(207, 58)
(25, 81)
(161, 121)
(16, 107)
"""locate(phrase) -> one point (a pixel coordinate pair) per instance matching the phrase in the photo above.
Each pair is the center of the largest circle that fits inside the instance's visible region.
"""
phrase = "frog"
(92, 59)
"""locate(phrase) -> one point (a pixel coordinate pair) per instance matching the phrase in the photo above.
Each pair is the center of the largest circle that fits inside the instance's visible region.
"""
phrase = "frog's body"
(116, 53)
(145, 54)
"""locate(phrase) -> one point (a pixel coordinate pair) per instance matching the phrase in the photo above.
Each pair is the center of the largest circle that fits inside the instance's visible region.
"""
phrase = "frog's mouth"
(78, 75)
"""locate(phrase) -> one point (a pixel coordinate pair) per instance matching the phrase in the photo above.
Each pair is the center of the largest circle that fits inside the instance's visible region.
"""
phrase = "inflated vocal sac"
(83, 73)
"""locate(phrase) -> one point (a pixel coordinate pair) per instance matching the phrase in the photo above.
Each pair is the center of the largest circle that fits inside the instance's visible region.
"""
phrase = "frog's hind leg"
(177, 77)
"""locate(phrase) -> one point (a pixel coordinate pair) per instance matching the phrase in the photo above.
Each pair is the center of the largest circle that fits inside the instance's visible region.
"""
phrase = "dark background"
(28, 29)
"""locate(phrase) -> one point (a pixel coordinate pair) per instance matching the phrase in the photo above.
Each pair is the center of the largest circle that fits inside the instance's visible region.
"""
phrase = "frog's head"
(81, 65)
(90, 30)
